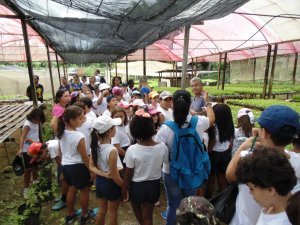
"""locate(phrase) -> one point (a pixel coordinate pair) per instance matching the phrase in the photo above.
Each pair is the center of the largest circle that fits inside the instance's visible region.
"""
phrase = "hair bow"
(142, 113)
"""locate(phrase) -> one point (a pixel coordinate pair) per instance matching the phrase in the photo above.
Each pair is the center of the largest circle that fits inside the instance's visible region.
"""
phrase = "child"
(155, 117)
(143, 167)
(122, 139)
(220, 138)
(243, 129)
(270, 178)
(30, 134)
(118, 92)
(105, 158)
(88, 104)
(154, 99)
(75, 162)
(111, 105)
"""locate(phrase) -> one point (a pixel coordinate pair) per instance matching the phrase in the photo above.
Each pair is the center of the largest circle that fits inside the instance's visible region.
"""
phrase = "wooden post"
(64, 69)
(254, 70)
(58, 68)
(144, 63)
(229, 71)
(295, 68)
(219, 71)
(50, 71)
(192, 67)
(224, 71)
(185, 55)
(127, 68)
(29, 62)
(116, 67)
(272, 70)
(266, 72)
(176, 75)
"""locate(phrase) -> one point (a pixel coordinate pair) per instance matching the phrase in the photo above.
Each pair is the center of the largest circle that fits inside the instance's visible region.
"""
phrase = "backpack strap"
(194, 121)
(173, 126)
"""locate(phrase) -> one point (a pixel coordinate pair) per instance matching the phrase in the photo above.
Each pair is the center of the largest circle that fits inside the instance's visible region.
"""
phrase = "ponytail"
(61, 126)
(94, 146)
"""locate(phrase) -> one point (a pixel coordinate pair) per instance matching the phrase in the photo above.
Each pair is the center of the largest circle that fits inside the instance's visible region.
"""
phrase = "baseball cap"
(109, 98)
(165, 94)
(34, 150)
(200, 207)
(18, 165)
(153, 94)
(117, 91)
(124, 84)
(124, 104)
(153, 111)
(104, 123)
(244, 112)
(275, 117)
(136, 93)
(138, 102)
(145, 90)
(103, 86)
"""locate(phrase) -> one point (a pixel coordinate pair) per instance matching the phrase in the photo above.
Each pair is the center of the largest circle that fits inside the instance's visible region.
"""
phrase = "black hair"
(71, 112)
(296, 141)
(74, 98)
(293, 209)
(246, 125)
(59, 94)
(87, 101)
(36, 76)
(120, 109)
(266, 168)
(181, 106)
(80, 105)
(131, 81)
(113, 80)
(223, 123)
(285, 136)
(37, 114)
(142, 128)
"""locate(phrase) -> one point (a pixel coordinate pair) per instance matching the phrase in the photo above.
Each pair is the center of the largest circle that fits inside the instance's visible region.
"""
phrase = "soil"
(11, 197)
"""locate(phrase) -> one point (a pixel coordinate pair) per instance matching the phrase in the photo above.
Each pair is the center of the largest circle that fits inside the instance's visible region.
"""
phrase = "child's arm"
(121, 151)
(96, 170)
(81, 148)
(25, 131)
(114, 173)
(127, 179)
(53, 123)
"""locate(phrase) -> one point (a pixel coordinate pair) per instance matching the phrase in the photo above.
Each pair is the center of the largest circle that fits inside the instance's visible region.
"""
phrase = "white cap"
(138, 102)
(104, 123)
(165, 94)
(103, 86)
(244, 112)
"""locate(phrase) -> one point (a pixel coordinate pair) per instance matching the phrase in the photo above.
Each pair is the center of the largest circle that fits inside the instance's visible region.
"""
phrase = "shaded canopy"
(98, 31)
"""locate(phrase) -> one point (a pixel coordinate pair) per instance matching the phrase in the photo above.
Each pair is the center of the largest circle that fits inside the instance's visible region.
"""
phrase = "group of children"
(113, 137)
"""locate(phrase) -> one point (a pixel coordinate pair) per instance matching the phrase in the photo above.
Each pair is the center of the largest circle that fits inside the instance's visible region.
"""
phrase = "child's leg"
(84, 200)
(137, 209)
(27, 176)
(147, 212)
(100, 219)
(34, 173)
(112, 212)
(71, 196)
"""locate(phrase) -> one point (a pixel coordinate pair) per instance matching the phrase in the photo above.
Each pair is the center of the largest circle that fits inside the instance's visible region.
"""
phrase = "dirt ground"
(11, 198)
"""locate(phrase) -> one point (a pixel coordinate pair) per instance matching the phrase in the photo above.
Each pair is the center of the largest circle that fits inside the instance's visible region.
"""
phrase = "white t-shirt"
(32, 135)
(99, 108)
(103, 157)
(107, 113)
(122, 136)
(220, 147)
(52, 148)
(86, 129)
(146, 161)
(68, 146)
(247, 210)
(166, 134)
(126, 97)
(91, 114)
(273, 219)
(168, 114)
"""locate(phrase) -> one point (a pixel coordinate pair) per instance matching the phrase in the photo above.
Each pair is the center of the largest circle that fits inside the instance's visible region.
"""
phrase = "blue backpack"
(189, 163)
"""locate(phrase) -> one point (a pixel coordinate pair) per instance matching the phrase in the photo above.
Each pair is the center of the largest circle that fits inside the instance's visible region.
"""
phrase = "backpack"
(189, 164)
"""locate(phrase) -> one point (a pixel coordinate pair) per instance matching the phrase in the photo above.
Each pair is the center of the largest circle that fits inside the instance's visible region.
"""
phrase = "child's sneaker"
(70, 219)
(57, 199)
(59, 205)
(164, 215)
(90, 215)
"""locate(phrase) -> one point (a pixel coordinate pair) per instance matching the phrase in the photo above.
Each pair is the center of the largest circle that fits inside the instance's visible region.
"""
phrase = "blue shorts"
(107, 189)
(27, 158)
(77, 175)
(145, 191)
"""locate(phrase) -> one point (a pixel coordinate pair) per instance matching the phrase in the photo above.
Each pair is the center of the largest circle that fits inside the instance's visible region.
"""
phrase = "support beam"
(127, 68)
(272, 70)
(116, 67)
(266, 72)
(57, 64)
(295, 68)
(219, 71)
(29, 62)
(64, 69)
(144, 63)
(185, 55)
(176, 74)
(50, 71)
(224, 71)
(254, 70)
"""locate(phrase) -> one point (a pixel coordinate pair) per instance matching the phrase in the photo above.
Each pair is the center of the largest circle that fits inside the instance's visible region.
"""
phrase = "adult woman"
(181, 107)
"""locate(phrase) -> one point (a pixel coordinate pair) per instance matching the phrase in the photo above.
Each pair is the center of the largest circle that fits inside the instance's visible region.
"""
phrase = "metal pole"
(224, 71)
(50, 71)
(58, 68)
(266, 71)
(144, 63)
(295, 68)
(219, 71)
(272, 70)
(127, 68)
(254, 70)
(29, 62)
(185, 55)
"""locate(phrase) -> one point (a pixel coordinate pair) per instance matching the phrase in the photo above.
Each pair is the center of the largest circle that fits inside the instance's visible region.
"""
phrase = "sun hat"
(136, 93)
(275, 117)
(109, 98)
(165, 94)
(200, 207)
(138, 102)
(124, 104)
(246, 112)
(117, 91)
(104, 123)
(18, 165)
(153, 111)
(103, 86)
(153, 94)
